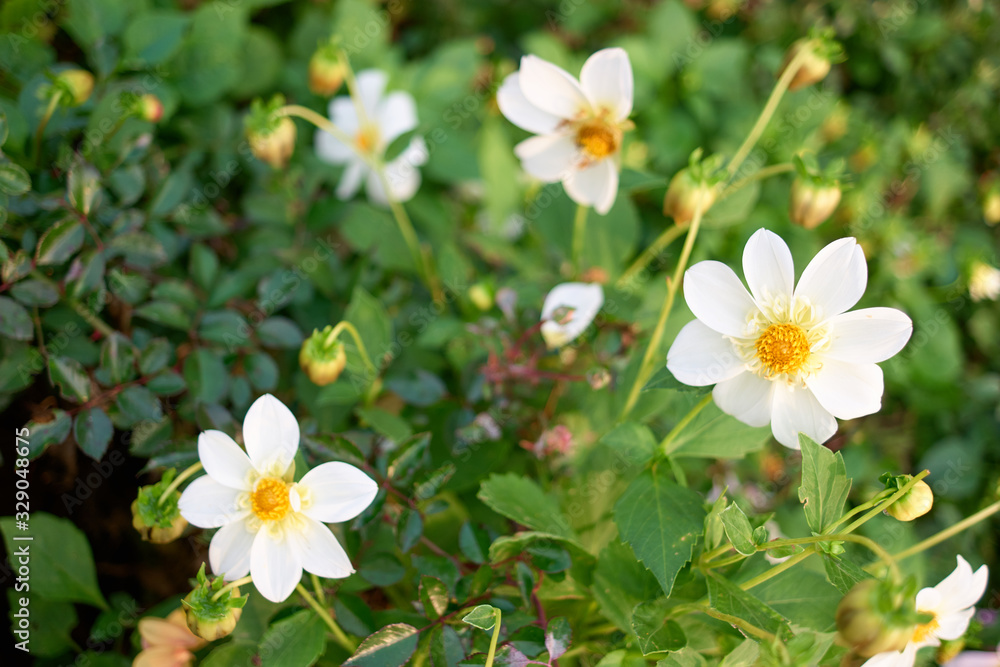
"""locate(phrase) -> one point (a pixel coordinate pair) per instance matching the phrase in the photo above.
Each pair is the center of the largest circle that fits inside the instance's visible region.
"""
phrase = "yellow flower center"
(270, 499)
(782, 348)
(926, 630)
(367, 138)
(597, 139)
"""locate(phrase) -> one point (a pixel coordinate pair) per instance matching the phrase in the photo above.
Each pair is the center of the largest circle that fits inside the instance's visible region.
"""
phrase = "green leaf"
(482, 616)
(155, 356)
(138, 250)
(59, 243)
(655, 633)
(165, 313)
(205, 375)
(842, 573)
(261, 370)
(93, 430)
(118, 358)
(558, 636)
(35, 293)
(474, 542)
(730, 599)
(82, 186)
(825, 484)
(137, 404)
(522, 500)
(662, 522)
(280, 332)
(445, 647)
(14, 180)
(391, 646)
(802, 596)
(204, 265)
(434, 596)
(687, 657)
(15, 322)
(664, 379)
(746, 654)
(230, 654)
(295, 641)
(71, 378)
(716, 435)
(154, 36)
(410, 528)
(391, 426)
(62, 567)
(370, 318)
(49, 625)
(738, 529)
(52, 432)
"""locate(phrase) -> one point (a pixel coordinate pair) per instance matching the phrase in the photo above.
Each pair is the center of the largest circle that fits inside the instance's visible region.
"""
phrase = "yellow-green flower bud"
(813, 68)
(326, 71)
(150, 108)
(481, 296)
(158, 522)
(208, 617)
(322, 357)
(78, 84)
(915, 503)
(868, 619)
(685, 196)
(810, 204)
(271, 136)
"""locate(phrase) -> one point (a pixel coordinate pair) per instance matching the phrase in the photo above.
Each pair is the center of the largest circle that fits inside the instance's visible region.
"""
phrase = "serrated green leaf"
(656, 634)
(295, 641)
(522, 500)
(738, 529)
(728, 598)
(391, 646)
(483, 616)
(825, 484)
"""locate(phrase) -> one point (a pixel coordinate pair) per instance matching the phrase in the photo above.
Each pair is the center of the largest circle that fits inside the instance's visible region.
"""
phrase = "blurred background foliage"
(156, 278)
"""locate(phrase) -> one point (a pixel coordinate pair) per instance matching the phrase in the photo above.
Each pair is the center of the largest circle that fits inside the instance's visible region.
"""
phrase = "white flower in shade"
(785, 354)
(568, 310)
(384, 118)
(975, 659)
(269, 525)
(951, 605)
(579, 123)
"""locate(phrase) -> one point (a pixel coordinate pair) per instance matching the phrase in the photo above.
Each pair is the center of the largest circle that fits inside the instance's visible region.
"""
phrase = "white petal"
(351, 179)
(748, 397)
(596, 185)
(270, 432)
(768, 266)
(796, 410)
(320, 551)
(402, 174)
(955, 624)
(606, 79)
(208, 504)
(835, 279)
(975, 659)
(906, 658)
(847, 391)
(518, 110)
(868, 335)
(337, 492)
(371, 85)
(700, 356)
(344, 114)
(548, 158)
(396, 115)
(275, 565)
(961, 589)
(229, 552)
(717, 297)
(552, 89)
(224, 461)
(584, 300)
(331, 149)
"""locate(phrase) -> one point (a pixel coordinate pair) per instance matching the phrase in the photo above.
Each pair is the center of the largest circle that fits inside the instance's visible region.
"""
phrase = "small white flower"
(784, 354)
(579, 123)
(385, 118)
(951, 603)
(269, 525)
(984, 283)
(568, 310)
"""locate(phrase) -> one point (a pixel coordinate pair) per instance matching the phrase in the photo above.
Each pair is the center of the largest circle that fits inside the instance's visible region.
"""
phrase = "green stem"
(682, 424)
(493, 641)
(777, 569)
(323, 123)
(344, 325)
(318, 588)
(82, 310)
(190, 470)
(857, 510)
(948, 532)
(647, 256)
(871, 545)
(886, 503)
(759, 175)
(646, 366)
(769, 108)
(49, 110)
(735, 621)
(230, 586)
(579, 230)
(338, 634)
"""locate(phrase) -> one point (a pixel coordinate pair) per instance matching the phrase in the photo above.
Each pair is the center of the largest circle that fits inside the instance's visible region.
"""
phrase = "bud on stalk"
(271, 136)
(78, 84)
(914, 503)
(323, 357)
(871, 619)
(694, 187)
(811, 205)
(326, 71)
(209, 617)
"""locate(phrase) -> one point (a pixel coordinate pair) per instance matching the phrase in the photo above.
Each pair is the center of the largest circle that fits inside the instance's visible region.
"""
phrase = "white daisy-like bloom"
(951, 605)
(384, 118)
(568, 310)
(975, 659)
(269, 525)
(579, 123)
(785, 354)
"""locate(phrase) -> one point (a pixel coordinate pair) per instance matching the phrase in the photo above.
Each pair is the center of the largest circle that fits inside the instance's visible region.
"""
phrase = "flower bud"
(78, 84)
(813, 68)
(984, 282)
(322, 357)
(915, 503)
(150, 108)
(211, 618)
(991, 207)
(810, 204)
(326, 71)
(868, 620)
(271, 137)
(158, 522)
(685, 195)
(481, 296)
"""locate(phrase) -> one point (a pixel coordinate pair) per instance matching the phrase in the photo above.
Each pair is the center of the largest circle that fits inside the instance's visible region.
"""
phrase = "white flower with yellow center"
(568, 310)
(383, 119)
(269, 525)
(785, 354)
(951, 605)
(580, 123)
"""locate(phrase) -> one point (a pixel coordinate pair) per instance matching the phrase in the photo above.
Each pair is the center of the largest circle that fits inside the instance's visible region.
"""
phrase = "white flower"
(984, 283)
(976, 659)
(951, 603)
(269, 525)
(384, 119)
(579, 123)
(568, 310)
(784, 354)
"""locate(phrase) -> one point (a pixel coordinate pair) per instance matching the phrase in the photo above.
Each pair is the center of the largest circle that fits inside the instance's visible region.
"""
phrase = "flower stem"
(579, 231)
(493, 641)
(682, 424)
(323, 123)
(759, 175)
(344, 325)
(646, 366)
(230, 586)
(49, 110)
(886, 503)
(647, 256)
(777, 569)
(190, 470)
(338, 634)
(769, 108)
(871, 545)
(318, 587)
(743, 625)
(948, 532)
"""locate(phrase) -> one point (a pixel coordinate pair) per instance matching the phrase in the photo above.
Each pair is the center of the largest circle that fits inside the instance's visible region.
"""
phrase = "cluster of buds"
(212, 612)
(75, 85)
(877, 616)
(819, 51)
(323, 357)
(815, 193)
(915, 503)
(694, 187)
(157, 518)
(271, 136)
(327, 69)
